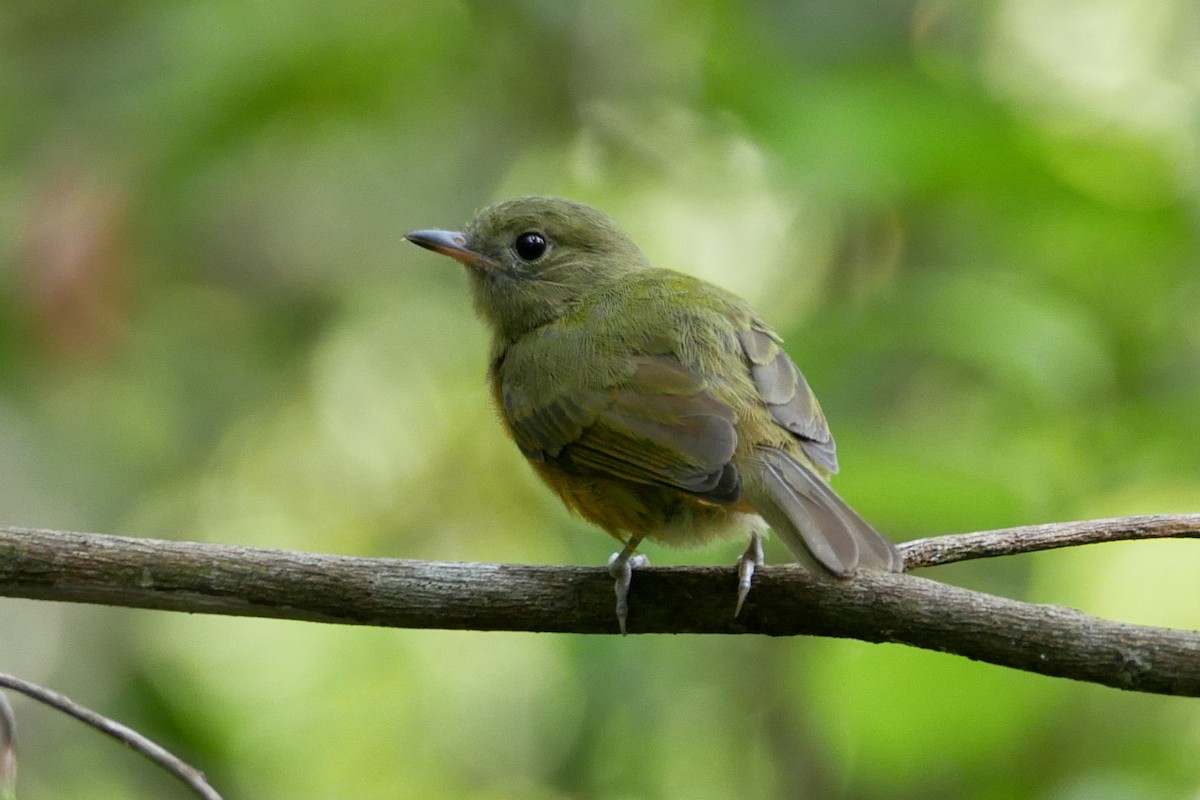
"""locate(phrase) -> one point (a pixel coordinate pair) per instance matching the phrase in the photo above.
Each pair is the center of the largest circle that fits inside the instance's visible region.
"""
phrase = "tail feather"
(816, 524)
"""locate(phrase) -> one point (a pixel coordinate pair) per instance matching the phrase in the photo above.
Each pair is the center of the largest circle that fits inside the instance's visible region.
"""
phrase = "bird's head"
(532, 259)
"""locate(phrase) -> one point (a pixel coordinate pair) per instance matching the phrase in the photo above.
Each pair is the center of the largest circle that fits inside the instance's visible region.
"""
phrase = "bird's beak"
(449, 243)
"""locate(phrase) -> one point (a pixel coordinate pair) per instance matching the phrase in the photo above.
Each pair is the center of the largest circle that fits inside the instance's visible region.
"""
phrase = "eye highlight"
(530, 246)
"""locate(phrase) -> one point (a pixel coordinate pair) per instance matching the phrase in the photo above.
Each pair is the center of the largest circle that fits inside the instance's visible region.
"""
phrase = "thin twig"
(938, 550)
(186, 773)
(8, 750)
(785, 601)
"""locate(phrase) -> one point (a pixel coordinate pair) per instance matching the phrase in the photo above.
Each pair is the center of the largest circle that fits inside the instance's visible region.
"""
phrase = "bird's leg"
(621, 566)
(746, 564)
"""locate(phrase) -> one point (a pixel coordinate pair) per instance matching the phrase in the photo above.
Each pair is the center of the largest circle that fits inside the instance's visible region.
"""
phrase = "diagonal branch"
(8, 750)
(189, 775)
(874, 607)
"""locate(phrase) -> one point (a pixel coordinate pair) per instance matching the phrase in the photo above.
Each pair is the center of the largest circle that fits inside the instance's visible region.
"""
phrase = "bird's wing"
(659, 425)
(787, 394)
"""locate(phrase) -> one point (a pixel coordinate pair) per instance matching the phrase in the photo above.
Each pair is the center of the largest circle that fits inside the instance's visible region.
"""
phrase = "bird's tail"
(816, 524)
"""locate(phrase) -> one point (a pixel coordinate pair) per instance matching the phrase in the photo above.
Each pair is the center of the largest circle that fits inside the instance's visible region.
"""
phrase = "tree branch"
(786, 600)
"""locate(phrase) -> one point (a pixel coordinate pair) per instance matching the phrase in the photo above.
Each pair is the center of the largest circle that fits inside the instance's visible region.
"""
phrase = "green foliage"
(975, 224)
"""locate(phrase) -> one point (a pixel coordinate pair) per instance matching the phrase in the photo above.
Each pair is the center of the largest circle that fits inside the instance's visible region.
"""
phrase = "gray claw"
(621, 566)
(746, 564)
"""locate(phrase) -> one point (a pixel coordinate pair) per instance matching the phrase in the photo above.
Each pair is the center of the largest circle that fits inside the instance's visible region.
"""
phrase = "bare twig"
(8, 750)
(786, 600)
(189, 775)
(939, 550)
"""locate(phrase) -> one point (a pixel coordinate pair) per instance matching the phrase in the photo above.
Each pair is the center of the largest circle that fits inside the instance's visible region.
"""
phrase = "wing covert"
(788, 396)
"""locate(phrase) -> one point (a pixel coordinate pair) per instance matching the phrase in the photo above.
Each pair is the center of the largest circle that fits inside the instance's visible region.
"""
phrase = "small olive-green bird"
(656, 405)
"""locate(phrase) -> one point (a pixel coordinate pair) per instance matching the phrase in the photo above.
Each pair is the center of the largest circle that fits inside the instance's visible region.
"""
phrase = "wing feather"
(657, 426)
(788, 396)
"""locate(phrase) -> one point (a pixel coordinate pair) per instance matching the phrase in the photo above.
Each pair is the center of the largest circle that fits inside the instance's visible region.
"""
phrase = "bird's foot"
(746, 564)
(621, 566)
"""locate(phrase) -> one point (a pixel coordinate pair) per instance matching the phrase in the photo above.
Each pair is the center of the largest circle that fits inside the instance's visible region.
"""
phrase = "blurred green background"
(974, 222)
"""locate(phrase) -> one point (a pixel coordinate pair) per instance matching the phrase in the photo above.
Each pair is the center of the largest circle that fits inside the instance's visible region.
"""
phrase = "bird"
(658, 406)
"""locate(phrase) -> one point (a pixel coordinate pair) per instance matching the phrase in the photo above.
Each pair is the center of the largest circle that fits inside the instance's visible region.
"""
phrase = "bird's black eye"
(530, 246)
